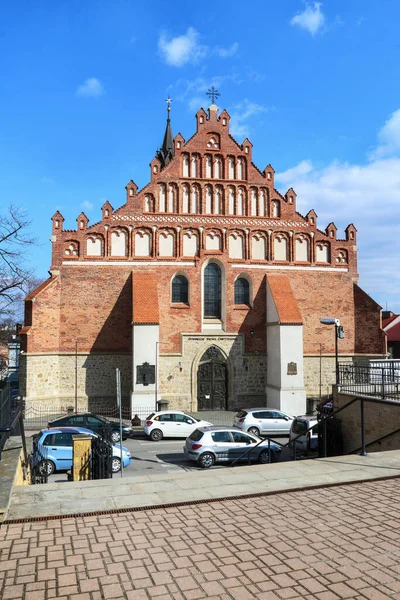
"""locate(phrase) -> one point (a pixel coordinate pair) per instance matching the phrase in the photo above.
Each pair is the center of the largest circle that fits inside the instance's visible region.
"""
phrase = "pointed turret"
(166, 152)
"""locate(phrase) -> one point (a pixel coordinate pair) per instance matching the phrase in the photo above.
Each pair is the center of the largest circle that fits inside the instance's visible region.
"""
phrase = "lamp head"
(330, 322)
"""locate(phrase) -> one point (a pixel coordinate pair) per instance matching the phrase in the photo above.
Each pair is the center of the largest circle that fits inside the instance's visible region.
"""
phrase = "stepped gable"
(206, 185)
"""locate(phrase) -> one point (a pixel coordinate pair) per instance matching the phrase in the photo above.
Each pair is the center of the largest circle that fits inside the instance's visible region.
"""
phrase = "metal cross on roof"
(168, 101)
(213, 94)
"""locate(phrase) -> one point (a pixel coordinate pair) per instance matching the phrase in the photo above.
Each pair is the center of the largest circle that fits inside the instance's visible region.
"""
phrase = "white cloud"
(183, 49)
(186, 49)
(91, 88)
(240, 115)
(311, 19)
(389, 137)
(303, 168)
(87, 205)
(47, 180)
(227, 52)
(367, 195)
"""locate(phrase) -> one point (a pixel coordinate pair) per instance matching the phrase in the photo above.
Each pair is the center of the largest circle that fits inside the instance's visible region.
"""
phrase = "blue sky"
(315, 86)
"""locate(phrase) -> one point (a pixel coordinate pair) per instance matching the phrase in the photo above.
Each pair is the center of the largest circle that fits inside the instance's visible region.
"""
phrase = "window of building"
(242, 291)
(212, 291)
(180, 289)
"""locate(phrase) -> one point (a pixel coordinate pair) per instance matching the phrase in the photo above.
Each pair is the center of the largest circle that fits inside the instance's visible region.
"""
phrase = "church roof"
(145, 297)
(389, 320)
(393, 333)
(285, 302)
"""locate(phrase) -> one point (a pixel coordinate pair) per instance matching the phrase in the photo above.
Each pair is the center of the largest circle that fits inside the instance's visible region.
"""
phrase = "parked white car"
(263, 421)
(171, 423)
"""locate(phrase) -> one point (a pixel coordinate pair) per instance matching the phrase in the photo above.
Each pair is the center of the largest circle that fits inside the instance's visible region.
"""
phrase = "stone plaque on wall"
(292, 368)
(145, 374)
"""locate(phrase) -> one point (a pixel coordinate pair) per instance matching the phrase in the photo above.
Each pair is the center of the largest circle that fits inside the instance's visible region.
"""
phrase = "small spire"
(166, 152)
(168, 101)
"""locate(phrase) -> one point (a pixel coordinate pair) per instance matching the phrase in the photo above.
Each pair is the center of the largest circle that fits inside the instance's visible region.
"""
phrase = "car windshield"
(150, 416)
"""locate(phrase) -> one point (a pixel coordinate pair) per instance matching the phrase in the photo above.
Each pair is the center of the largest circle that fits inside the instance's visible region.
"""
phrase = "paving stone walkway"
(337, 542)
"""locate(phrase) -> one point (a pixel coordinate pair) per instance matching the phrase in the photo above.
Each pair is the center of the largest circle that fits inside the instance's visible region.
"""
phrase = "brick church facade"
(206, 288)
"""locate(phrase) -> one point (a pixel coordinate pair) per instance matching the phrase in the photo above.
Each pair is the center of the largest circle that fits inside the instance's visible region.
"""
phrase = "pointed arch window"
(242, 291)
(180, 290)
(212, 291)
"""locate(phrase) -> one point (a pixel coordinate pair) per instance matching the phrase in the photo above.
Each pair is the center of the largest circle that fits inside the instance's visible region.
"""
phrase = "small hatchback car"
(210, 445)
(263, 421)
(94, 423)
(306, 438)
(55, 448)
(171, 423)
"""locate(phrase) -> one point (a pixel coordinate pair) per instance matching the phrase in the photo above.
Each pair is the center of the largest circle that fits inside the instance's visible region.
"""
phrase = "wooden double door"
(212, 381)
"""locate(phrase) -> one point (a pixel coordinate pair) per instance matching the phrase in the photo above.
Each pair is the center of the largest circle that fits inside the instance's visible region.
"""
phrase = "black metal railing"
(38, 464)
(11, 422)
(102, 457)
(380, 379)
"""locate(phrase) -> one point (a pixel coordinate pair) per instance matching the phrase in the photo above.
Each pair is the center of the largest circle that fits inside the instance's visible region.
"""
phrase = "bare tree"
(16, 277)
(15, 274)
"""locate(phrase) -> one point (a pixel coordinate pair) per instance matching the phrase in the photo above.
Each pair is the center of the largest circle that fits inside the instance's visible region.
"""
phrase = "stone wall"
(380, 420)
(52, 379)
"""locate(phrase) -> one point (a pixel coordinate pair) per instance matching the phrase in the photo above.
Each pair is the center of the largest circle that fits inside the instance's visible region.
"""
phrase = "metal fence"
(377, 379)
(38, 417)
(8, 410)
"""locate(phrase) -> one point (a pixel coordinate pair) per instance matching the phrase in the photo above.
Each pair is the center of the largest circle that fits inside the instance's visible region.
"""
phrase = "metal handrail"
(384, 437)
(248, 452)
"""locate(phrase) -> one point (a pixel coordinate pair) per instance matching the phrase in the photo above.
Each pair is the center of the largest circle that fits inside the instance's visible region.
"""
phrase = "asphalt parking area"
(165, 456)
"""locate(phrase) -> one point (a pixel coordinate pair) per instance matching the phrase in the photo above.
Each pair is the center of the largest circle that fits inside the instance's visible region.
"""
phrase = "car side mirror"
(190, 422)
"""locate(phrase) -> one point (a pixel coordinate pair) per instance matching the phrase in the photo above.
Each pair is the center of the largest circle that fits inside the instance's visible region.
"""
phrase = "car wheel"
(47, 467)
(206, 460)
(254, 431)
(115, 437)
(116, 464)
(264, 457)
(156, 435)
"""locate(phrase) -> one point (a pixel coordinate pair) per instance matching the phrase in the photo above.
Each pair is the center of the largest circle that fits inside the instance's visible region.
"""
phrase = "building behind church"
(206, 288)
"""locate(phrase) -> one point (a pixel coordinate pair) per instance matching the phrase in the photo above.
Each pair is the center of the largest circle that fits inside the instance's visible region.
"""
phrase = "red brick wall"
(96, 309)
(42, 320)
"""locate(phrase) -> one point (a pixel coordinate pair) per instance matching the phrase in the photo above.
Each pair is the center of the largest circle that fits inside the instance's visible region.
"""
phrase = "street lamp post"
(338, 333)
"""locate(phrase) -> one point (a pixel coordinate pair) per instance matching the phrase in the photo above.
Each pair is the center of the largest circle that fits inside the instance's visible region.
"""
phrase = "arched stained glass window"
(212, 291)
(242, 291)
(180, 289)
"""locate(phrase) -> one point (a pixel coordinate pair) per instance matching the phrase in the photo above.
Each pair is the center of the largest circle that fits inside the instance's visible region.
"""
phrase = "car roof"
(262, 408)
(66, 430)
(80, 414)
(167, 412)
(307, 417)
(219, 428)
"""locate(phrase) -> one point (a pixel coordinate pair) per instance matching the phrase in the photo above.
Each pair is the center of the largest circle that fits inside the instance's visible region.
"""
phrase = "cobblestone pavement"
(338, 542)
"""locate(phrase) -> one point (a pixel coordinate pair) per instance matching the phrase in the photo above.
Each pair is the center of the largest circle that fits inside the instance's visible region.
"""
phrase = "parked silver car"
(263, 421)
(209, 445)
